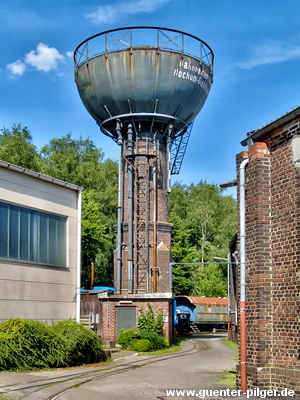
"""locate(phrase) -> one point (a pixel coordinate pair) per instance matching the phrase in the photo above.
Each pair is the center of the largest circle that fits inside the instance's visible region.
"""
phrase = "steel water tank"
(153, 77)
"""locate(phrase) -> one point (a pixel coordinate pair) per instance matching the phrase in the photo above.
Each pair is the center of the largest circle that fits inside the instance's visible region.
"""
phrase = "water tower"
(144, 86)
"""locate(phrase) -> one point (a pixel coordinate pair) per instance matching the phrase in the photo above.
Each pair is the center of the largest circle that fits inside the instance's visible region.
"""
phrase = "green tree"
(204, 222)
(16, 147)
(97, 243)
(210, 281)
(79, 161)
(73, 160)
(149, 322)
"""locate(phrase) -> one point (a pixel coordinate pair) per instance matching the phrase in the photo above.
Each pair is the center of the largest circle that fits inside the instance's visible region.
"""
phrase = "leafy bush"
(132, 345)
(125, 337)
(82, 345)
(148, 332)
(147, 320)
(156, 341)
(26, 345)
(140, 345)
(127, 340)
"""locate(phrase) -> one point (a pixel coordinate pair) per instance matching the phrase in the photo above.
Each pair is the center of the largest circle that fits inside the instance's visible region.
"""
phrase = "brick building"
(272, 197)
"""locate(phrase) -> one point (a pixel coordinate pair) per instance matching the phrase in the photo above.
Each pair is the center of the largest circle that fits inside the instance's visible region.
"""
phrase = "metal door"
(126, 318)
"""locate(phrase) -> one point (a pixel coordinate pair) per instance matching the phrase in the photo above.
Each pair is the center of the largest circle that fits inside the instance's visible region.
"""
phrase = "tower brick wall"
(151, 230)
(272, 260)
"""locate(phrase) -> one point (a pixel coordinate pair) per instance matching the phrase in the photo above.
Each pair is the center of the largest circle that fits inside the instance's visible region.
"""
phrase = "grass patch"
(228, 379)
(232, 345)
(4, 397)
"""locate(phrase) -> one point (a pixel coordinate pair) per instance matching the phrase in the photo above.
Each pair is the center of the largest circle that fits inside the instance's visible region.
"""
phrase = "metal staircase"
(144, 153)
(141, 222)
(195, 328)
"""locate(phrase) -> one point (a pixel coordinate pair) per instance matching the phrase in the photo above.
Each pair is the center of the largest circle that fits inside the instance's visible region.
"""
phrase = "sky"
(256, 75)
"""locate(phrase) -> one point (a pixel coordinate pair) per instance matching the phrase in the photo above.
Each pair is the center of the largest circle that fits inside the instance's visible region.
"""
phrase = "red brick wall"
(273, 264)
(108, 323)
(285, 251)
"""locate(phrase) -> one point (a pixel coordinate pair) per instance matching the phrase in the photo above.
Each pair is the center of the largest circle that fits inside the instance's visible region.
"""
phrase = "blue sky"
(256, 78)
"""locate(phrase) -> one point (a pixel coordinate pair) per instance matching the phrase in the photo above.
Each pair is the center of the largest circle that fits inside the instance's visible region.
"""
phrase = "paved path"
(198, 366)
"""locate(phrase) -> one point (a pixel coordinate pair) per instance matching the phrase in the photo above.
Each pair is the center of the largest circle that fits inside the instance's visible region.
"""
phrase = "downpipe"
(120, 204)
(243, 352)
(78, 261)
(228, 296)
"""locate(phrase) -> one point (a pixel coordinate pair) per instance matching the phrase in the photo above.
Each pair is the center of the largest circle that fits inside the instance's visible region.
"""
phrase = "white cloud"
(17, 68)
(270, 53)
(44, 58)
(70, 53)
(114, 12)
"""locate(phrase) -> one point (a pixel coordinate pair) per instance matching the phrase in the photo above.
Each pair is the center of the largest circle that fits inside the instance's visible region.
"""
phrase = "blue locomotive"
(201, 313)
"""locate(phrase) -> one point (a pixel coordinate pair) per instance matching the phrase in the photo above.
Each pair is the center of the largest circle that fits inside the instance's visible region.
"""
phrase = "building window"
(31, 235)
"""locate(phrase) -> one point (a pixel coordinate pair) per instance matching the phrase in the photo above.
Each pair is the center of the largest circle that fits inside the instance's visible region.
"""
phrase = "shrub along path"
(197, 366)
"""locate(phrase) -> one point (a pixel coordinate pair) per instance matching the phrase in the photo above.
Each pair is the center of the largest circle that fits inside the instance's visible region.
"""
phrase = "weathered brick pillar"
(258, 266)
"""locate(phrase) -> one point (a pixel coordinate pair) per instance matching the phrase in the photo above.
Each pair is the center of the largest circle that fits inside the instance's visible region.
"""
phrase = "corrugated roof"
(256, 134)
(37, 175)
(205, 300)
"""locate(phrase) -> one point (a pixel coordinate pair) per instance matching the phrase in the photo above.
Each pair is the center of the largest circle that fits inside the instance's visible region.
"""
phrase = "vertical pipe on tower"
(92, 276)
(136, 218)
(147, 221)
(154, 267)
(120, 201)
(130, 209)
(169, 145)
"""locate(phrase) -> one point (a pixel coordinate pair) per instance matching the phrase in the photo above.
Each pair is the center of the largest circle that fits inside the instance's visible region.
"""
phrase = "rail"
(140, 36)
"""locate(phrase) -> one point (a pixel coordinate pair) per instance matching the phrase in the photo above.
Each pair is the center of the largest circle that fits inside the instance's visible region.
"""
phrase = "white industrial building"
(40, 220)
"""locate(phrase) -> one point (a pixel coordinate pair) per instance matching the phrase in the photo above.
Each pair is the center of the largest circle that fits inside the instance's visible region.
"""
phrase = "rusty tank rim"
(206, 58)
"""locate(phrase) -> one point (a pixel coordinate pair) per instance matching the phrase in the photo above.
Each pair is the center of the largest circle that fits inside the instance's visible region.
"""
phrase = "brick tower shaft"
(142, 261)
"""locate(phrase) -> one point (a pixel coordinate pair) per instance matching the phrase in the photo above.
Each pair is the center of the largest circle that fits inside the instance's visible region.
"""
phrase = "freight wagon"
(206, 313)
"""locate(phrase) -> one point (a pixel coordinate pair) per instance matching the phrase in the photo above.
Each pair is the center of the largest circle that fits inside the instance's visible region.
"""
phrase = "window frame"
(35, 243)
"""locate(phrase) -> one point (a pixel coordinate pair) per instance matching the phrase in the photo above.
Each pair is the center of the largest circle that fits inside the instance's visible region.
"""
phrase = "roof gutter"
(255, 135)
(37, 175)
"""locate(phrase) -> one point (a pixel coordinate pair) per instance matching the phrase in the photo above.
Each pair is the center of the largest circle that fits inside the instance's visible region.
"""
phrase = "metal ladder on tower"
(142, 221)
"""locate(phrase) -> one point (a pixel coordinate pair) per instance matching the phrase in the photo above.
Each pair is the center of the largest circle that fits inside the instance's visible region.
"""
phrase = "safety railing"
(143, 36)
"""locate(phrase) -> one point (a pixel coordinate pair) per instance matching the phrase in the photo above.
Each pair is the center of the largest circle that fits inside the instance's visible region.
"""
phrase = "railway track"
(54, 388)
